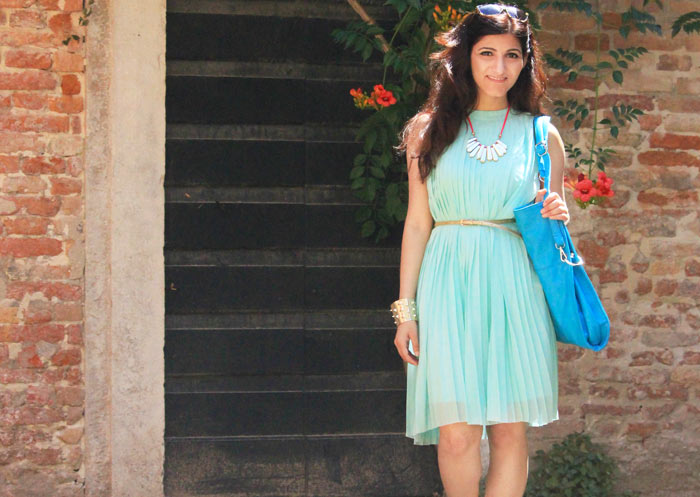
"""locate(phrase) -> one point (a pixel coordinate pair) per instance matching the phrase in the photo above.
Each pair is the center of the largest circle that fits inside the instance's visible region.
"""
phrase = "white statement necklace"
(483, 152)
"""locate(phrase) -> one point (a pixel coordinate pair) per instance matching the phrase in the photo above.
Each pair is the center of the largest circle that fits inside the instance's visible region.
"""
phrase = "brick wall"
(640, 395)
(41, 247)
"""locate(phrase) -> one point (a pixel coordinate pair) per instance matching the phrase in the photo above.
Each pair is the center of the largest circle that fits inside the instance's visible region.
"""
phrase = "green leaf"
(366, 52)
(614, 131)
(369, 141)
(357, 171)
(377, 172)
(357, 183)
(363, 213)
(368, 228)
(415, 4)
(617, 76)
(359, 159)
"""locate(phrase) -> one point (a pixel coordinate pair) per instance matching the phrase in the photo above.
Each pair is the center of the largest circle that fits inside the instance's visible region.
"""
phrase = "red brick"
(674, 141)
(645, 358)
(665, 287)
(23, 37)
(23, 184)
(65, 61)
(9, 163)
(18, 142)
(671, 391)
(554, 21)
(40, 395)
(641, 430)
(43, 165)
(70, 84)
(568, 353)
(691, 357)
(70, 396)
(593, 253)
(75, 331)
(25, 225)
(603, 391)
(49, 4)
(664, 356)
(68, 104)
(31, 101)
(667, 158)
(27, 19)
(692, 266)
(643, 102)
(27, 80)
(76, 125)
(43, 456)
(649, 122)
(65, 357)
(28, 60)
(35, 415)
(63, 291)
(16, 3)
(30, 247)
(5, 102)
(37, 312)
(38, 123)
(65, 186)
(588, 41)
(46, 332)
(611, 238)
(61, 24)
(679, 104)
(612, 410)
(29, 358)
(658, 321)
(673, 62)
(67, 312)
(73, 5)
(561, 81)
(41, 206)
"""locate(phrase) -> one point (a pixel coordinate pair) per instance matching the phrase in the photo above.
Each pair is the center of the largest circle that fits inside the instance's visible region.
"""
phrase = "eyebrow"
(489, 48)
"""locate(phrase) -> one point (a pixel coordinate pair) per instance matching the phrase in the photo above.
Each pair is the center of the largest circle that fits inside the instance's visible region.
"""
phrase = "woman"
(473, 322)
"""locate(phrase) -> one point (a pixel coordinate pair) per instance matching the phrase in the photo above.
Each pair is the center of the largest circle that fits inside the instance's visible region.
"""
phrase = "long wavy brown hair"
(453, 91)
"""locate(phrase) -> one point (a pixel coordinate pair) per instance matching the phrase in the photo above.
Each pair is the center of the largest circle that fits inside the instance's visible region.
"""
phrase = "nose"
(500, 66)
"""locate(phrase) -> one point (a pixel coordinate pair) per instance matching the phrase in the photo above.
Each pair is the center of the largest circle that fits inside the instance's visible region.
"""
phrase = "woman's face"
(496, 62)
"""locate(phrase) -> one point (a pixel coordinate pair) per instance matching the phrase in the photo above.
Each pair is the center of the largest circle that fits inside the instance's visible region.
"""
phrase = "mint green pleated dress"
(487, 344)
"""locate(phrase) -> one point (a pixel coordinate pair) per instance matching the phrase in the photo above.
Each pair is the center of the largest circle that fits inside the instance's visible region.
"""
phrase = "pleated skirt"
(487, 344)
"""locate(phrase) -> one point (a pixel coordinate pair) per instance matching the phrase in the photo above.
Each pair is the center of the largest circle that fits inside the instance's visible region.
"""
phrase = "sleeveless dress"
(487, 344)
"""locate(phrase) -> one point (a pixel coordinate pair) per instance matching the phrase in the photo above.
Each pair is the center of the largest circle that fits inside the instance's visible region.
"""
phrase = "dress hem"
(431, 435)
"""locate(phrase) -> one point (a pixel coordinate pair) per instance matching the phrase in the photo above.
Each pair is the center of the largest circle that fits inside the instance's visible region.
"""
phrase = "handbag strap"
(541, 126)
(544, 165)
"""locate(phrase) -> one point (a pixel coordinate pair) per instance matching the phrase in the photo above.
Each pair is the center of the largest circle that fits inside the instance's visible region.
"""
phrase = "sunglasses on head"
(496, 8)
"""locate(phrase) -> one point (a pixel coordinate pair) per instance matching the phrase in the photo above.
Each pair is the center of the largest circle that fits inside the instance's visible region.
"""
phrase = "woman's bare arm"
(417, 227)
(416, 232)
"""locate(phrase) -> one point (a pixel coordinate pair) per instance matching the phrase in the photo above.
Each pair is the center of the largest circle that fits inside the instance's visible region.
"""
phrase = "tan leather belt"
(495, 223)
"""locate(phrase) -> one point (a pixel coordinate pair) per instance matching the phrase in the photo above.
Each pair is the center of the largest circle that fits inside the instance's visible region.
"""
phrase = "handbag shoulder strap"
(541, 126)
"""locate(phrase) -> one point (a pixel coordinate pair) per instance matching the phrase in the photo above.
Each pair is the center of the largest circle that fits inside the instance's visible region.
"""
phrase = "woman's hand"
(554, 206)
(408, 330)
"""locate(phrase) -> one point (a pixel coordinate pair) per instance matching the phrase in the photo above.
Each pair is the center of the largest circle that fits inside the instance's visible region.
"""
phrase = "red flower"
(603, 184)
(585, 190)
(383, 97)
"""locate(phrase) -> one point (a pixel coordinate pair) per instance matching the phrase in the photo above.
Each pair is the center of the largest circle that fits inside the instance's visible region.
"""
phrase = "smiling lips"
(496, 80)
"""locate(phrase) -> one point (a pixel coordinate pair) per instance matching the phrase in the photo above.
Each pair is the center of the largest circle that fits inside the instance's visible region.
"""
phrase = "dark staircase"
(281, 374)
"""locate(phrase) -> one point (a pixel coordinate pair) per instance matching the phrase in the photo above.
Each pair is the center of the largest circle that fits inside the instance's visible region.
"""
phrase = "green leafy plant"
(575, 467)
(378, 176)
(82, 21)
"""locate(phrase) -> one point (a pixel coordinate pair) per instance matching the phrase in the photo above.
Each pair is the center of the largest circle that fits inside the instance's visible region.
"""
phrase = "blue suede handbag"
(576, 310)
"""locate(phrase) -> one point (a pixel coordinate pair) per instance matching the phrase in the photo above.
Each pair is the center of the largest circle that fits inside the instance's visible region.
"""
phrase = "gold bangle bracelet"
(404, 310)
